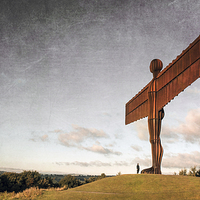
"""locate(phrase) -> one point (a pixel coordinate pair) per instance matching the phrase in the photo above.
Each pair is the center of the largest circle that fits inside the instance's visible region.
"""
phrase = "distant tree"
(69, 181)
(10, 182)
(18, 182)
(183, 172)
(193, 171)
(95, 178)
(198, 173)
(30, 178)
(118, 174)
(46, 182)
(4, 182)
(91, 179)
(103, 175)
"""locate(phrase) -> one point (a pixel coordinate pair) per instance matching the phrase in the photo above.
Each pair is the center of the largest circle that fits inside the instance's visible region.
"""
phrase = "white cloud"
(39, 136)
(142, 129)
(182, 160)
(90, 132)
(85, 164)
(122, 163)
(44, 137)
(79, 134)
(146, 162)
(190, 129)
(77, 137)
(169, 134)
(136, 148)
(95, 163)
(101, 149)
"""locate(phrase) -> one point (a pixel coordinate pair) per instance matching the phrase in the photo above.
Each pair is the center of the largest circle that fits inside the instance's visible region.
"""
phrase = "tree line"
(192, 172)
(17, 182)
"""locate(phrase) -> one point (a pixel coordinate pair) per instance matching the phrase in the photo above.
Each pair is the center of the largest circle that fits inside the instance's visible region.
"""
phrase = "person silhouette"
(138, 168)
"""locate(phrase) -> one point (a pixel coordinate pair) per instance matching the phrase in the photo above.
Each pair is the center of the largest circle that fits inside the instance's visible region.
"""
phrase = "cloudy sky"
(67, 69)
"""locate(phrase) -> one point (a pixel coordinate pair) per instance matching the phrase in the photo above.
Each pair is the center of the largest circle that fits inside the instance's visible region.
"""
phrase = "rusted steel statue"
(164, 86)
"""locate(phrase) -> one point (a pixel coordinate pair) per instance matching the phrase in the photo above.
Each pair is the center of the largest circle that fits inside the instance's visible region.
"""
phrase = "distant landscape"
(129, 186)
(57, 177)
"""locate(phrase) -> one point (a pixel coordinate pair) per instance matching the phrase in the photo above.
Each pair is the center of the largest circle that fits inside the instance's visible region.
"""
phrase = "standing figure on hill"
(138, 168)
(155, 117)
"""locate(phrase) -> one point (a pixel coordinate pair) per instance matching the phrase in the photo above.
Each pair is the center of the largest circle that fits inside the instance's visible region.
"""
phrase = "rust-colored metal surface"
(178, 75)
(137, 107)
(164, 86)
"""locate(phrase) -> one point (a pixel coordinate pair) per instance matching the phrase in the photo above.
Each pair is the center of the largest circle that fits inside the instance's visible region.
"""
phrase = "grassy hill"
(133, 187)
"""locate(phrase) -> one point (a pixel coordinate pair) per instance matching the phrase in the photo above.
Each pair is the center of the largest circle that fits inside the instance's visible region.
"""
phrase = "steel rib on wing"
(137, 107)
(178, 75)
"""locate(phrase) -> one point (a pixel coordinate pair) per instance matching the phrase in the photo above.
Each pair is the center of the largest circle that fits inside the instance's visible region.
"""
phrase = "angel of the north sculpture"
(164, 86)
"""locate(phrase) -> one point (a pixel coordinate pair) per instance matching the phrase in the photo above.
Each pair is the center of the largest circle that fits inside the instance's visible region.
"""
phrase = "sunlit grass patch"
(120, 187)
(30, 193)
(132, 187)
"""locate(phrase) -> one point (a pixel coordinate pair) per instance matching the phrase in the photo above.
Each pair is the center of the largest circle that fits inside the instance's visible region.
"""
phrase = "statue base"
(151, 170)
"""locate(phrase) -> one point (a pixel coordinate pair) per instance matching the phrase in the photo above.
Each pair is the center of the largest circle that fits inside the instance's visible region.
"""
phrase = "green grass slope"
(133, 187)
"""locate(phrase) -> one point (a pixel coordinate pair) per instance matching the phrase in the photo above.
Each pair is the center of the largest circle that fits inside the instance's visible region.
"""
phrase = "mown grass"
(131, 187)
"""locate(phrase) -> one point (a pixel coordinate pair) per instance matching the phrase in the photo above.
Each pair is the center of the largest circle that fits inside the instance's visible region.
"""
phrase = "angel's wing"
(137, 107)
(178, 75)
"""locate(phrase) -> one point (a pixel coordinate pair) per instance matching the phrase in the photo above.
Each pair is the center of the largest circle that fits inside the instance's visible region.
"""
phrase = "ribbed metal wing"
(137, 107)
(178, 75)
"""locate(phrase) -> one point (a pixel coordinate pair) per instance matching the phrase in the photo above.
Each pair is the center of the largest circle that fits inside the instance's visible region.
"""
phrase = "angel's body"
(155, 117)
